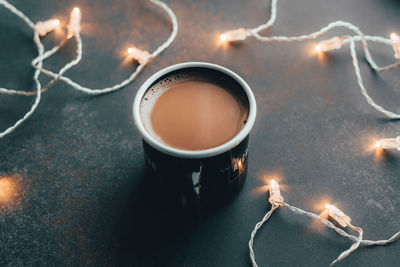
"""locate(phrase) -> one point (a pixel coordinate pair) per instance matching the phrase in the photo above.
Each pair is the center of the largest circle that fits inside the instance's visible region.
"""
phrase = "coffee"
(194, 112)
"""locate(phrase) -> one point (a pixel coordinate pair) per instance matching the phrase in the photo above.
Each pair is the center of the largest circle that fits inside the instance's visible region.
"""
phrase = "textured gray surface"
(80, 195)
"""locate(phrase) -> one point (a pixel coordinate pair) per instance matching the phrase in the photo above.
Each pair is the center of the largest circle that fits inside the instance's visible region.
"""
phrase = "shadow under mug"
(197, 178)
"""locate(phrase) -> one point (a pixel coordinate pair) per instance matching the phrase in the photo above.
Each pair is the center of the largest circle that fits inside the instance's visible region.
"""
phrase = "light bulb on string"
(44, 27)
(234, 35)
(74, 26)
(339, 216)
(141, 56)
(343, 220)
(395, 40)
(330, 44)
(327, 45)
(275, 197)
(388, 143)
(73, 30)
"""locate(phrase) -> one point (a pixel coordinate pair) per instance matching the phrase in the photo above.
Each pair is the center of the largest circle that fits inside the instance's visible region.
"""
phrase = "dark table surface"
(77, 190)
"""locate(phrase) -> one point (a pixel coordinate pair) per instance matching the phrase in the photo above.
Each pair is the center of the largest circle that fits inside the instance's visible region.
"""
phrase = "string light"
(74, 26)
(339, 216)
(143, 57)
(335, 213)
(395, 39)
(275, 197)
(125, 82)
(139, 55)
(44, 27)
(388, 143)
(334, 43)
(330, 44)
(73, 30)
(234, 35)
(343, 220)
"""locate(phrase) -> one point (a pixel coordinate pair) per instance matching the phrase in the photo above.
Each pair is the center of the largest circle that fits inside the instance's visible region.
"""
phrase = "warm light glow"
(275, 197)
(44, 27)
(339, 216)
(323, 206)
(141, 56)
(330, 44)
(395, 39)
(378, 144)
(74, 26)
(222, 37)
(234, 35)
(8, 190)
(388, 143)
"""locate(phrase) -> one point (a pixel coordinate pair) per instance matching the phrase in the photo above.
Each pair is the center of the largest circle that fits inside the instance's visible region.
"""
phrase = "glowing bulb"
(339, 216)
(74, 26)
(44, 27)
(234, 35)
(378, 144)
(141, 56)
(275, 197)
(388, 143)
(222, 37)
(395, 39)
(330, 44)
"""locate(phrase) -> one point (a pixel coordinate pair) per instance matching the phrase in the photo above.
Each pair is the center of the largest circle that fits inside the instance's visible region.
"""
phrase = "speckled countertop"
(75, 169)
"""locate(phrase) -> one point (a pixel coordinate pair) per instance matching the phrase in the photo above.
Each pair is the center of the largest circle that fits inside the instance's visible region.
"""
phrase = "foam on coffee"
(204, 129)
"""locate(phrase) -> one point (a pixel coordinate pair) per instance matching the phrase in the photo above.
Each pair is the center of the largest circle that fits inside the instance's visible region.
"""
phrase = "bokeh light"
(9, 190)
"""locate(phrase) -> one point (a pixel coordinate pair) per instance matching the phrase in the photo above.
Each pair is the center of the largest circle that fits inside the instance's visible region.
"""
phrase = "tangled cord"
(277, 201)
(74, 31)
(241, 34)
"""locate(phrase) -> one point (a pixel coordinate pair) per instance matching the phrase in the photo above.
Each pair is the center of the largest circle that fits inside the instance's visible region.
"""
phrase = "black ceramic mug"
(198, 177)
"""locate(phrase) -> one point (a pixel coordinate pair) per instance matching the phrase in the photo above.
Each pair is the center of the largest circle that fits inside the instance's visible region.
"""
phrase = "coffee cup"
(197, 178)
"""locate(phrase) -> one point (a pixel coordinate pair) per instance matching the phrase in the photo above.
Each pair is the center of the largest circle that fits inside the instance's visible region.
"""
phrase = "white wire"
(339, 230)
(14, 10)
(353, 247)
(270, 22)
(42, 55)
(337, 24)
(357, 240)
(38, 90)
(351, 40)
(69, 65)
(118, 86)
(362, 87)
(253, 234)
(39, 61)
(32, 26)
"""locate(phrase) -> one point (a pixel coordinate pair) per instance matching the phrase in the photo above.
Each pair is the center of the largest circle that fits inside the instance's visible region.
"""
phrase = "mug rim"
(205, 153)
